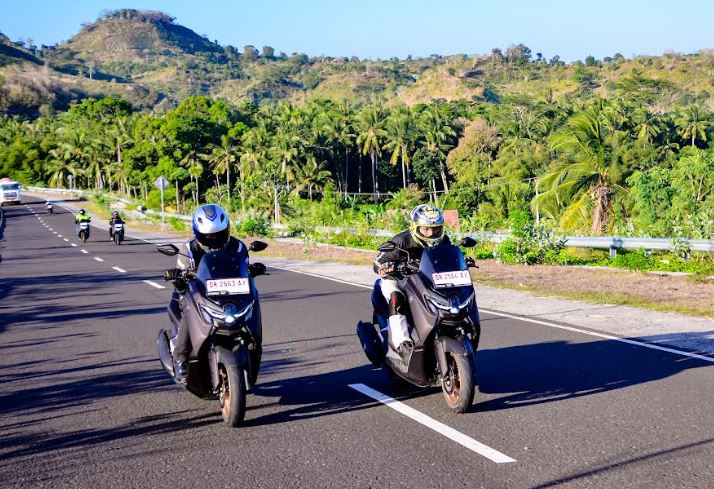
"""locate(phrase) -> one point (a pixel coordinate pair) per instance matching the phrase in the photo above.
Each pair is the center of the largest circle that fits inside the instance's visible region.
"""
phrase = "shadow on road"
(525, 375)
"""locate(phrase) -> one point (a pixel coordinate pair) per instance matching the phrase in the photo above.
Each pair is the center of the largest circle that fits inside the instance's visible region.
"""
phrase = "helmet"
(426, 216)
(211, 226)
(81, 211)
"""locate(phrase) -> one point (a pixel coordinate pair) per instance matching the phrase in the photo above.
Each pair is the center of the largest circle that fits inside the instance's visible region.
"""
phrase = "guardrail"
(612, 243)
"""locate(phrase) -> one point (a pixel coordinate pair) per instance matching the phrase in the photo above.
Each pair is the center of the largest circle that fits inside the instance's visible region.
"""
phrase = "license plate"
(118, 226)
(83, 225)
(458, 278)
(228, 286)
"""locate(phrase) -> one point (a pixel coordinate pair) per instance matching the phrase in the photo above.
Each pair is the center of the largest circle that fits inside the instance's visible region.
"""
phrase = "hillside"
(145, 57)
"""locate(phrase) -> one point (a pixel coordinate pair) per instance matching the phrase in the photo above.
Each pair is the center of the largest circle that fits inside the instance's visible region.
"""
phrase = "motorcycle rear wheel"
(117, 239)
(232, 395)
(83, 236)
(458, 384)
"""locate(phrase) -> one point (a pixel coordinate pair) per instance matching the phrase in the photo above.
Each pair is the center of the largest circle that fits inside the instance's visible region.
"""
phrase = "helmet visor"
(214, 241)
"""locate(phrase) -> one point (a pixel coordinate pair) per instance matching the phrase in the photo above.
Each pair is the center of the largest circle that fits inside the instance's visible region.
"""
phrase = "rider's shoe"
(181, 372)
(405, 348)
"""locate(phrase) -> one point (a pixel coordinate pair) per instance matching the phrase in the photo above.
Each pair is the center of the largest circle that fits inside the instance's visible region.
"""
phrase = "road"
(84, 402)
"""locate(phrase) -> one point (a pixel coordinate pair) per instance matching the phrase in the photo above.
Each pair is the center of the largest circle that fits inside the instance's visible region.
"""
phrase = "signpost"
(161, 183)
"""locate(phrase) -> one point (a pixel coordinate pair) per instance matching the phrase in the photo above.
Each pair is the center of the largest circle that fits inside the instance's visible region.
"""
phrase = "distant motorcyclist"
(82, 216)
(426, 230)
(211, 231)
(114, 220)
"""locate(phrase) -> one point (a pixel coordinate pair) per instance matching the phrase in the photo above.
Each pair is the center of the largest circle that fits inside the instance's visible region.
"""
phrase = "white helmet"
(426, 216)
(211, 226)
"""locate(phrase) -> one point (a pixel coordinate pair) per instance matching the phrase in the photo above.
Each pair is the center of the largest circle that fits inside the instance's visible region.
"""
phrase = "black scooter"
(444, 320)
(48, 207)
(222, 310)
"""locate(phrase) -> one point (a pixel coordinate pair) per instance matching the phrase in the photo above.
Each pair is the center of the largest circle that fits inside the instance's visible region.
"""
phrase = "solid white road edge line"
(441, 428)
(98, 259)
(120, 270)
(153, 284)
(538, 321)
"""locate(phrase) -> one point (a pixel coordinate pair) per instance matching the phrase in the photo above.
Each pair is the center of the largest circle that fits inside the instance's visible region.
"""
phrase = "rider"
(114, 220)
(211, 231)
(82, 216)
(426, 230)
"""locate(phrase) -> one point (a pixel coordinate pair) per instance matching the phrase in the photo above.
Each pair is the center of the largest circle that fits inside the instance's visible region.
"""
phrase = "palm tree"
(195, 171)
(583, 182)
(437, 135)
(400, 135)
(337, 127)
(692, 124)
(646, 126)
(221, 159)
(312, 174)
(370, 122)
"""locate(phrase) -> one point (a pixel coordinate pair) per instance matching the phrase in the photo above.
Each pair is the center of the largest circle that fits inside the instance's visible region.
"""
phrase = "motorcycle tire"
(83, 237)
(458, 385)
(232, 395)
(117, 239)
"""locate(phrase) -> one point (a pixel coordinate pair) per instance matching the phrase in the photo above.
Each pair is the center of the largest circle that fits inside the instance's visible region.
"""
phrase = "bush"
(531, 243)
(177, 223)
(253, 225)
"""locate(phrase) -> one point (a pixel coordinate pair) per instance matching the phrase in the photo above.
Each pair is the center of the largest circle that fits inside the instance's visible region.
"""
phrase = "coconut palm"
(400, 135)
(311, 175)
(583, 183)
(370, 133)
(222, 158)
(438, 134)
(692, 124)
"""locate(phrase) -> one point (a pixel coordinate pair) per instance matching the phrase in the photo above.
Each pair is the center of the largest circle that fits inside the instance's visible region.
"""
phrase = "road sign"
(161, 183)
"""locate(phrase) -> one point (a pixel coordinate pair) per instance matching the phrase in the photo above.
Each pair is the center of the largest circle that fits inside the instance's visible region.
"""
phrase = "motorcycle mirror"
(257, 246)
(168, 250)
(388, 246)
(468, 242)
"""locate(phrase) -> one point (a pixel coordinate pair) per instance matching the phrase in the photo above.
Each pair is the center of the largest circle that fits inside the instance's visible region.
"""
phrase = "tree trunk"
(404, 174)
(347, 170)
(375, 185)
(228, 183)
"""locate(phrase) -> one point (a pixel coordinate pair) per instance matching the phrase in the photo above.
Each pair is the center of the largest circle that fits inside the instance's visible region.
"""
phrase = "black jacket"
(404, 241)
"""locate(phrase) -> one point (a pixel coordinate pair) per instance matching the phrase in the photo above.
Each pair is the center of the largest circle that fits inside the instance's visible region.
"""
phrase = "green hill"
(145, 57)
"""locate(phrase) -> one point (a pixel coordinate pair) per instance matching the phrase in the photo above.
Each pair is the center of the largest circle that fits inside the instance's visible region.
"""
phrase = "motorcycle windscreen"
(444, 268)
(223, 274)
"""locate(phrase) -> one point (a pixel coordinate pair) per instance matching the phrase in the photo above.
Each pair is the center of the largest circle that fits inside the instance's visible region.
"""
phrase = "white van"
(9, 192)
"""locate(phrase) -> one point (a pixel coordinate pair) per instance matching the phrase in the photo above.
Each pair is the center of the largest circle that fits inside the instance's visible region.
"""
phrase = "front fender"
(230, 359)
(443, 344)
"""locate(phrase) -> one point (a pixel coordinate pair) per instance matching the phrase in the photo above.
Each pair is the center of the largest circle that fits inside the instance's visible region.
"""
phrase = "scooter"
(444, 320)
(221, 308)
(48, 207)
(83, 230)
(116, 232)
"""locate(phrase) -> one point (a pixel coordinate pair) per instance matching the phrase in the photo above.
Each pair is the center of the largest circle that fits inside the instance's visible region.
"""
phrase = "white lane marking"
(441, 428)
(66, 240)
(98, 259)
(73, 244)
(85, 251)
(120, 270)
(153, 284)
(602, 335)
(59, 235)
(538, 321)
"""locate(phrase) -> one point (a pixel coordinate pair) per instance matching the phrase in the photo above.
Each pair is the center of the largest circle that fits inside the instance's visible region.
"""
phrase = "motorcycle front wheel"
(458, 383)
(232, 395)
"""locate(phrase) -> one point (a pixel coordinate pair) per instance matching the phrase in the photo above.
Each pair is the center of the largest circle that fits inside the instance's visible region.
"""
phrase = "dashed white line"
(74, 244)
(98, 259)
(120, 270)
(153, 284)
(85, 251)
(447, 431)
(66, 240)
(59, 235)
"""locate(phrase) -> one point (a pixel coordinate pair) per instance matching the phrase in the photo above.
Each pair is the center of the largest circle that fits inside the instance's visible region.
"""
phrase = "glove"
(470, 262)
(386, 268)
(173, 274)
(255, 269)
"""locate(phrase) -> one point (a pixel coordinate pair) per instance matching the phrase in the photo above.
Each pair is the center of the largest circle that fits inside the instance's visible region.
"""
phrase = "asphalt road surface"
(85, 404)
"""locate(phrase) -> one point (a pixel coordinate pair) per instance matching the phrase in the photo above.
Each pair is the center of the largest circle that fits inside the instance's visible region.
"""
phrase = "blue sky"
(382, 29)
